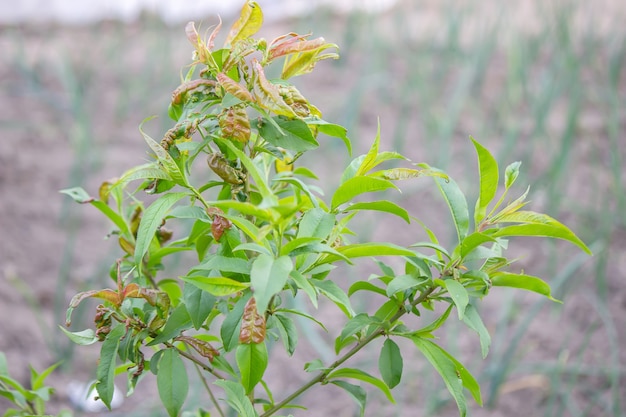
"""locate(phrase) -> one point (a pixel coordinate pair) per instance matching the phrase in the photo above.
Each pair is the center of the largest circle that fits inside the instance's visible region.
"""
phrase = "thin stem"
(324, 374)
(197, 361)
(208, 389)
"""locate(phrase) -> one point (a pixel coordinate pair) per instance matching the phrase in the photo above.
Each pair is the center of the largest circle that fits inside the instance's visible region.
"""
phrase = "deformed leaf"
(252, 324)
(511, 173)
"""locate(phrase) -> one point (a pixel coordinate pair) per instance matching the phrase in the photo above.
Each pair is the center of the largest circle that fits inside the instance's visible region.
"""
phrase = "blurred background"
(542, 82)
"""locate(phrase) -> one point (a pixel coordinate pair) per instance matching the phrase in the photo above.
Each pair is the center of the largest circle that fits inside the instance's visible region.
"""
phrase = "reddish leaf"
(252, 324)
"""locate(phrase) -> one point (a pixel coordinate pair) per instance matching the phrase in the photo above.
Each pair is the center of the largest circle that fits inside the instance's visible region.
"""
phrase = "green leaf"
(459, 295)
(249, 23)
(268, 277)
(456, 202)
(80, 196)
(172, 381)
(316, 223)
(165, 159)
(473, 321)
(356, 392)
(245, 208)
(471, 242)
(390, 363)
(84, 338)
(287, 330)
(522, 281)
(488, 174)
(4, 369)
(365, 286)
(176, 323)
(435, 324)
(303, 283)
(297, 243)
(252, 361)
(199, 304)
(217, 286)
(356, 186)
(511, 173)
(537, 224)
(330, 129)
(404, 282)
(150, 170)
(232, 324)
(269, 199)
(454, 374)
(105, 373)
(359, 250)
(335, 294)
(151, 220)
(225, 264)
(291, 134)
(382, 205)
(362, 376)
(236, 398)
(369, 162)
(355, 325)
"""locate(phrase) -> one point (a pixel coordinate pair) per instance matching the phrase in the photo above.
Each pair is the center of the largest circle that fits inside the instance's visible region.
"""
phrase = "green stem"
(324, 374)
(208, 389)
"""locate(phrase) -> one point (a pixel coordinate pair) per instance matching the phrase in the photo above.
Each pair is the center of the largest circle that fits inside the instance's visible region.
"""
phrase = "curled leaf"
(249, 22)
(252, 324)
(235, 124)
(204, 348)
(267, 95)
(218, 163)
(293, 43)
(304, 61)
(234, 88)
(219, 226)
(178, 95)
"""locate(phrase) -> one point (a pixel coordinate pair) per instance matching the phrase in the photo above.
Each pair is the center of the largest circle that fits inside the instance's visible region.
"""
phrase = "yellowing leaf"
(249, 23)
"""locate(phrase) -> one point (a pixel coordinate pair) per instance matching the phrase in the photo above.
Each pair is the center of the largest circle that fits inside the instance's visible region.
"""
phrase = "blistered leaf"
(234, 123)
(203, 347)
(249, 23)
(267, 95)
(302, 62)
(252, 324)
(234, 88)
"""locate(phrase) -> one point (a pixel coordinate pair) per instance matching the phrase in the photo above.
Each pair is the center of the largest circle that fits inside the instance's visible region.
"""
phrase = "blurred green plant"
(262, 233)
(29, 401)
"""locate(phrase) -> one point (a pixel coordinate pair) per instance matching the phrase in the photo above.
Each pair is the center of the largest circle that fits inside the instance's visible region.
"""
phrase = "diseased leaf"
(165, 159)
(252, 324)
(488, 174)
(172, 381)
(390, 363)
(249, 23)
(267, 95)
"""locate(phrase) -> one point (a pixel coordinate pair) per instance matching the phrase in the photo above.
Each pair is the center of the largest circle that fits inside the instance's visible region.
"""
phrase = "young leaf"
(105, 373)
(165, 159)
(511, 173)
(456, 202)
(537, 224)
(390, 363)
(359, 250)
(151, 220)
(217, 286)
(172, 381)
(522, 281)
(356, 186)
(488, 174)
(252, 361)
(459, 295)
(471, 242)
(356, 392)
(236, 398)
(362, 376)
(268, 277)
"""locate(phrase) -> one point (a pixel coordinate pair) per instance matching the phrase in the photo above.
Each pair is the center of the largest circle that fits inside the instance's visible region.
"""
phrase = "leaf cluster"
(258, 232)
